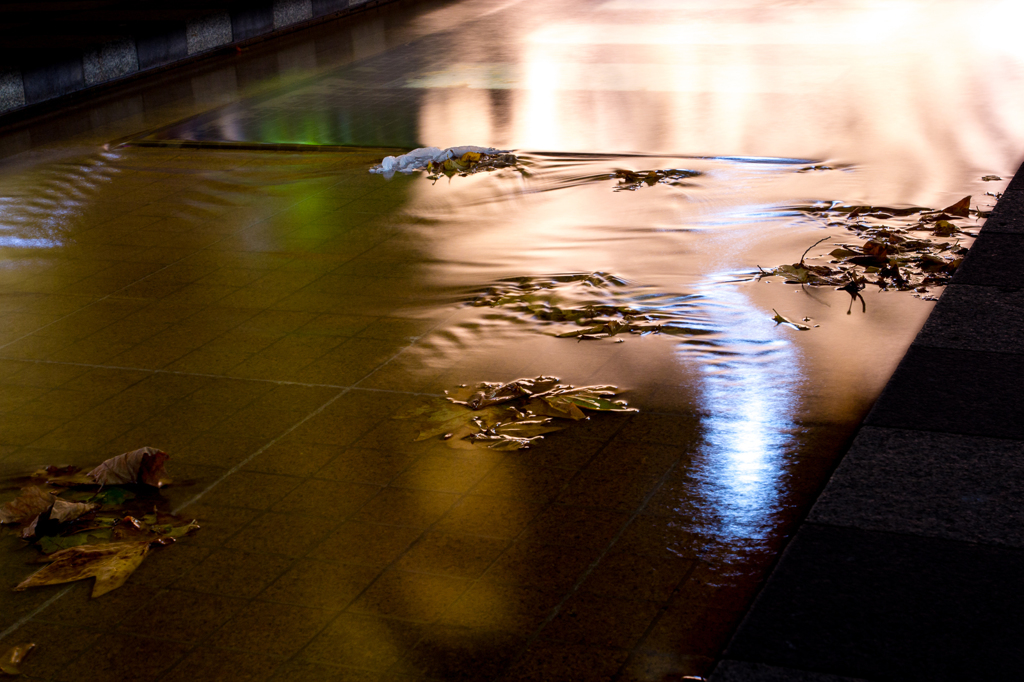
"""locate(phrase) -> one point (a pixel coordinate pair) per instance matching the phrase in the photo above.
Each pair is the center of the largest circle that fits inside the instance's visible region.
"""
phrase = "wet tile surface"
(264, 315)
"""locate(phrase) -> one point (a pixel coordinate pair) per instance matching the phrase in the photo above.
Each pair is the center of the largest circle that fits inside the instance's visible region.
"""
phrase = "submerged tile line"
(557, 609)
(218, 376)
(240, 465)
(35, 612)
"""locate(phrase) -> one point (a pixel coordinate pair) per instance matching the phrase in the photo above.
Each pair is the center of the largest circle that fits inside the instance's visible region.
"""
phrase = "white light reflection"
(750, 384)
(39, 210)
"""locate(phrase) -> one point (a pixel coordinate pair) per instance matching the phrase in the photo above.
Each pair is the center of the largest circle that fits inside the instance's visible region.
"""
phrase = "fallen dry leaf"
(13, 658)
(145, 465)
(32, 502)
(110, 564)
(781, 319)
(510, 416)
(961, 208)
(59, 512)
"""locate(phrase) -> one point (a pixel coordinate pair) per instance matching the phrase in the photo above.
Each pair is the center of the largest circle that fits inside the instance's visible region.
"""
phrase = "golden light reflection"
(868, 83)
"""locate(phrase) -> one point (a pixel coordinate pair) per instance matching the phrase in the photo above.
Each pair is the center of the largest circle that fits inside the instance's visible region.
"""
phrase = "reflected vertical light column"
(749, 387)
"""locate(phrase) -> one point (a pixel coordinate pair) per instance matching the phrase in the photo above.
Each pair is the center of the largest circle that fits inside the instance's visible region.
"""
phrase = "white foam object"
(418, 159)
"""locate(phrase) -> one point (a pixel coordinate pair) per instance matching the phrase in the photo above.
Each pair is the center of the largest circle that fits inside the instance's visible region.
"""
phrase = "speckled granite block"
(981, 318)
(1008, 215)
(110, 60)
(288, 12)
(741, 671)
(324, 7)
(12, 90)
(938, 485)
(890, 608)
(206, 33)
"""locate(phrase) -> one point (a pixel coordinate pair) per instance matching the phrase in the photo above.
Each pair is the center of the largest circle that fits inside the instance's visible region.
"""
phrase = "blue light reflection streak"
(750, 380)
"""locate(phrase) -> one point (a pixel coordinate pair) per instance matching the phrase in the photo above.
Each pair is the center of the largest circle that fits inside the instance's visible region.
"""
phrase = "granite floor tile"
(233, 573)
(849, 602)
(544, 661)
(929, 484)
(222, 665)
(1008, 215)
(289, 534)
(123, 657)
(461, 654)
(276, 630)
(994, 260)
(741, 671)
(976, 318)
(363, 642)
(410, 596)
(954, 391)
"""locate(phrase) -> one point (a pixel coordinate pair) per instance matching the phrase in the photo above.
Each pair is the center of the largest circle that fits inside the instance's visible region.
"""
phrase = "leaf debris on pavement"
(80, 523)
(512, 415)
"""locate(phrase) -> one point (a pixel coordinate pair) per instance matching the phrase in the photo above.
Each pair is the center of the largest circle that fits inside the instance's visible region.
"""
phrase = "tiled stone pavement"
(260, 340)
(909, 565)
(235, 334)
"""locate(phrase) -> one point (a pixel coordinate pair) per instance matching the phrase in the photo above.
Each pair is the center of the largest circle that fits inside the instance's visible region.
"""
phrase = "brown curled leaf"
(145, 466)
(32, 502)
(961, 208)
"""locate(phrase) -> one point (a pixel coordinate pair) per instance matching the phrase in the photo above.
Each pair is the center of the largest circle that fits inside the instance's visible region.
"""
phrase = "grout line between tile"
(590, 569)
(39, 609)
(224, 376)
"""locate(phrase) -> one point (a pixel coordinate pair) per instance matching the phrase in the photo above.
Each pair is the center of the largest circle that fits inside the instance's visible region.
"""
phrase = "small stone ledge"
(128, 56)
(742, 671)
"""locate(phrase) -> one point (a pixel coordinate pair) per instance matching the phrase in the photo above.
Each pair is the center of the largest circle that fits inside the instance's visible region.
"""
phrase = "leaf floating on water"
(634, 180)
(512, 415)
(599, 304)
(13, 658)
(961, 208)
(145, 466)
(892, 255)
(110, 564)
(781, 319)
(990, 178)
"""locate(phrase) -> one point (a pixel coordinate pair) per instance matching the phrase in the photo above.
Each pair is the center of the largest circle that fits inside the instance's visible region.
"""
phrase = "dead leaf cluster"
(80, 523)
(469, 163)
(905, 249)
(572, 299)
(634, 180)
(510, 416)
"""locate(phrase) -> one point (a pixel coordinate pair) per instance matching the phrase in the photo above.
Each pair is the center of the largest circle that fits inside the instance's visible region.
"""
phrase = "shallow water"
(261, 314)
